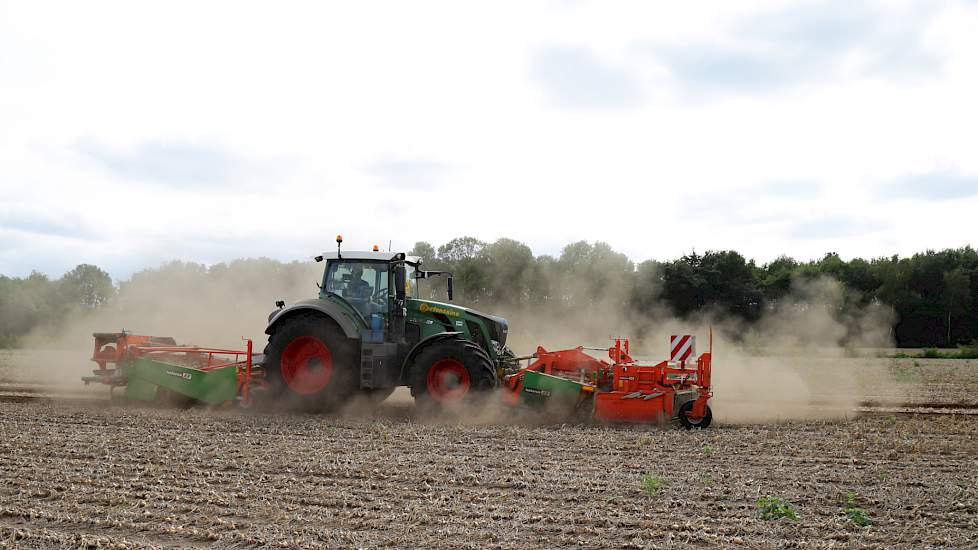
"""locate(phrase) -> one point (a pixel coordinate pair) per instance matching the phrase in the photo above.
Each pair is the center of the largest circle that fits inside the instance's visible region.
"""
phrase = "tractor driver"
(357, 288)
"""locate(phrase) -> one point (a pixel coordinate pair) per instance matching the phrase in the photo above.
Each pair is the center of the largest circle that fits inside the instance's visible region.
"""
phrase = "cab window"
(410, 283)
(364, 284)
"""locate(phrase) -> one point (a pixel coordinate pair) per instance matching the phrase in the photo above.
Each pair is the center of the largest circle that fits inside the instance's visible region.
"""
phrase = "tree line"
(36, 300)
(934, 294)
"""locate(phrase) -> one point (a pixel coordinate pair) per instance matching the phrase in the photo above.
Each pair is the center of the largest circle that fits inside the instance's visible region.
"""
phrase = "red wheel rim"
(448, 380)
(307, 365)
(691, 417)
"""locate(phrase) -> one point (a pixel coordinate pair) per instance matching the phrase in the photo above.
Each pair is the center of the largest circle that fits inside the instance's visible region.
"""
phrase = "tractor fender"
(329, 309)
(409, 358)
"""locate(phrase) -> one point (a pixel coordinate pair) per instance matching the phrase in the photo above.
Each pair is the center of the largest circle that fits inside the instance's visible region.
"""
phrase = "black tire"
(478, 365)
(343, 380)
(700, 423)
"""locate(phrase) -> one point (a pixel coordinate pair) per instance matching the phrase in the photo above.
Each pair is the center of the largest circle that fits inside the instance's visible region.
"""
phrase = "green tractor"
(369, 332)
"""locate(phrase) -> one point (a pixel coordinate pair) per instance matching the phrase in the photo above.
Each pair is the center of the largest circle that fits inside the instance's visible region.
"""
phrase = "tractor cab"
(364, 283)
(368, 282)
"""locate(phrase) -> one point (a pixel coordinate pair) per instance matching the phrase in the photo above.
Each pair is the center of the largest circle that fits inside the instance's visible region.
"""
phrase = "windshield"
(364, 284)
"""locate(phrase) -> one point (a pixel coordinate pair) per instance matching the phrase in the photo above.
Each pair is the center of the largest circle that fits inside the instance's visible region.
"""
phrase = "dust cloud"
(806, 358)
(214, 306)
(800, 361)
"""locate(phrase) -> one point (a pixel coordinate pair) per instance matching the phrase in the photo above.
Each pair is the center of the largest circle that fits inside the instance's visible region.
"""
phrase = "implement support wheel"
(690, 423)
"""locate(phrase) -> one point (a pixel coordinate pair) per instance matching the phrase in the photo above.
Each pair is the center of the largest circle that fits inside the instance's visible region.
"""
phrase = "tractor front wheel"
(310, 363)
(688, 422)
(450, 373)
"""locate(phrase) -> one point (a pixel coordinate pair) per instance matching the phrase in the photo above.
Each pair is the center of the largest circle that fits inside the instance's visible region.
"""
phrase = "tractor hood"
(498, 326)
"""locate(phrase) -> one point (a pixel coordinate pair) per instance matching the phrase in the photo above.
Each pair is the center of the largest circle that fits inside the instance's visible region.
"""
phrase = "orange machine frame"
(625, 389)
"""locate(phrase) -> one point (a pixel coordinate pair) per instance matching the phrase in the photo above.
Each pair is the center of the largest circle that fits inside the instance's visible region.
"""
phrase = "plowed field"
(86, 472)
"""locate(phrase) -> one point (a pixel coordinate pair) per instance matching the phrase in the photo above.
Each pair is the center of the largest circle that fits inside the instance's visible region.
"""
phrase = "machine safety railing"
(208, 359)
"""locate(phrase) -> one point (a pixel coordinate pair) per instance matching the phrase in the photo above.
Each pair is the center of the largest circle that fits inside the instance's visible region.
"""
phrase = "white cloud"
(136, 133)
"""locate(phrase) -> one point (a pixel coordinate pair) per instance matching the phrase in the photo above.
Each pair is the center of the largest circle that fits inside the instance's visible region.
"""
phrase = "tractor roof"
(367, 255)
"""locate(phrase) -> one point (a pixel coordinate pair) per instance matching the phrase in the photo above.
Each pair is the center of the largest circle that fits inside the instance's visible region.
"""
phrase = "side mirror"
(451, 288)
(399, 282)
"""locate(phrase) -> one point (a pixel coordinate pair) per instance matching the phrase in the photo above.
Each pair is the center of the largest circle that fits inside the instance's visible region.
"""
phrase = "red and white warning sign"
(681, 348)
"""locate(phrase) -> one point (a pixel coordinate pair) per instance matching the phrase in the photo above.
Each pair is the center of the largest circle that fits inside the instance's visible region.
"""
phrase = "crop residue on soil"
(89, 473)
(112, 476)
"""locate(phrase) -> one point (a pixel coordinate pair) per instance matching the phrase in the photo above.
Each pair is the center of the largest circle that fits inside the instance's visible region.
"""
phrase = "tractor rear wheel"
(309, 363)
(690, 423)
(449, 373)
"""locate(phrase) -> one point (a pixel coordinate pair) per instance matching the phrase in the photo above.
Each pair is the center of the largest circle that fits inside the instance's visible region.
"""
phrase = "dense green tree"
(510, 272)
(466, 258)
(721, 281)
(461, 249)
(588, 274)
(957, 296)
(543, 281)
(683, 284)
(777, 276)
(87, 286)
(731, 284)
(18, 310)
(424, 250)
(647, 292)
(934, 294)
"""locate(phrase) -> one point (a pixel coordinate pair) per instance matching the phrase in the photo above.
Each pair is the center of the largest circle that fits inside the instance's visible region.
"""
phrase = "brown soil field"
(92, 473)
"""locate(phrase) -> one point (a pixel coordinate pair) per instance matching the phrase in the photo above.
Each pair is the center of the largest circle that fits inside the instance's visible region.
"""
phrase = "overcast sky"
(134, 132)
